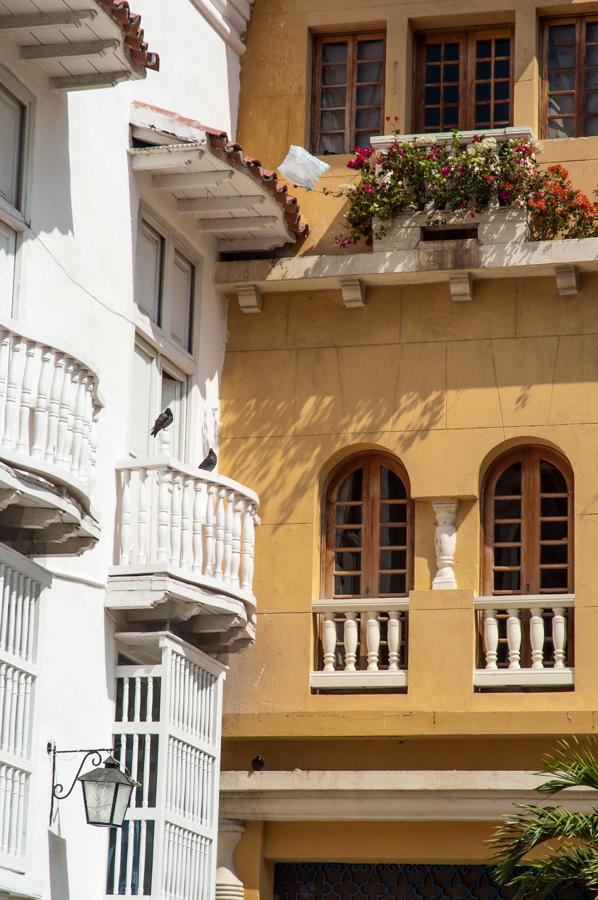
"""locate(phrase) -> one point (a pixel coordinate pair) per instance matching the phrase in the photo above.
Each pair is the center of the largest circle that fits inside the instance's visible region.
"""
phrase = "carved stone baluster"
(394, 640)
(175, 520)
(350, 639)
(63, 415)
(238, 507)
(514, 638)
(84, 460)
(125, 517)
(12, 392)
(75, 379)
(53, 413)
(248, 547)
(536, 636)
(210, 531)
(164, 488)
(187, 524)
(491, 638)
(227, 560)
(559, 636)
(446, 543)
(27, 398)
(142, 504)
(373, 640)
(4, 359)
(220, 523)
(329, 641)
(78, 424)
(93, 448)
(199, 520)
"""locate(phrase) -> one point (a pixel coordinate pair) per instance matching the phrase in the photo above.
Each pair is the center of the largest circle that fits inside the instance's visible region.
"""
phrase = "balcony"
(362, 645)
(49, 406)
(185, 552)
(523, 642)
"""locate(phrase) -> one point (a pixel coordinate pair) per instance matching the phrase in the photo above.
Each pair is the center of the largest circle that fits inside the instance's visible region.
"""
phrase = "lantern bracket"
(58, 790)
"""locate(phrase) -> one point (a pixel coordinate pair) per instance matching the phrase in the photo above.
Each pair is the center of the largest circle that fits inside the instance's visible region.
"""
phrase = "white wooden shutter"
(148, 273)
(11, 145)
(181, 298)
(140, 421)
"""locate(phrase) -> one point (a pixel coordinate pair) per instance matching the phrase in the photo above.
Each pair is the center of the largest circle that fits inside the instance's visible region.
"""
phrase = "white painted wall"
(75, 286)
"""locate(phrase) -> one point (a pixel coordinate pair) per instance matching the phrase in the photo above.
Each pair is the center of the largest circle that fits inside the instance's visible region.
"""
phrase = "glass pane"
(505, 534)
(391, 486)
(561, 34)
(553, 506)
(553, 531)
(347, 562)
(148, 277)
(561, 104)
(182, 283)
(393, 559)
(591, 79)
(451, 116)
(348, 515)
(483, 49)
(396, 512)
(393, 537)
(140, 406)
(368, 118)
(332, 121)
(561, 81)
(591, 32)
(451, 94)
(502, 47)
(507, 556)
(552, 481)
(451, 51)
(432, 95)
(509, 483)
(592, 55)
(554, 553)
(348, 537)
(451, 72)
(561, 128)
(554, 579)
(334, 74)
(333, 97)
(501, 112)
(432, 117)
(336, 52)
(392, 584)
(432, 74)
(561, 57)
(592, 102)
(482, 113)
(369, 72)
(171, 396)
(507, 509)
(350, 487)
(347, 585)
(502, 90)
(369, 95)
(590, 126)
(482, 91)
(433, 52)
(502, 68)
(370, 50)
(507, 581)
(331, 143)
(482, 70)
(11, 146)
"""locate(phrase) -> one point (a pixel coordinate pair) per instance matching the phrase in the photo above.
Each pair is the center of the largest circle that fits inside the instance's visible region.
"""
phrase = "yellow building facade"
(399, 739)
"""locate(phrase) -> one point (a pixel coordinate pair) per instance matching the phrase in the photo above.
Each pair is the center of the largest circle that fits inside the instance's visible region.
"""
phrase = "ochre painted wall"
(275, 106)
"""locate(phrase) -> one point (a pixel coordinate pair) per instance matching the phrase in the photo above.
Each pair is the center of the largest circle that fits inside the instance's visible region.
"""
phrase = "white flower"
(472, 150)
(488, 143)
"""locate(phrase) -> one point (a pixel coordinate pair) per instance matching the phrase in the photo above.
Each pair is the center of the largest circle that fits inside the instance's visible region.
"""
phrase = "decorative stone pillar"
(228, 884)
(445, 540)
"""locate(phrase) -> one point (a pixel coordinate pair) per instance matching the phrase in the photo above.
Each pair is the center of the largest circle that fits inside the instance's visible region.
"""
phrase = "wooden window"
(368, 529)
(150, 271)
(156, 384)
(570, 77)
(181, 296)
(464, 80)
(348, 91)
(528, 524)
(12, 122)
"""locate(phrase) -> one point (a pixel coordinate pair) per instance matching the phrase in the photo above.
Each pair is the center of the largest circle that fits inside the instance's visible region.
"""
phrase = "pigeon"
(163, 421)
(209, 462)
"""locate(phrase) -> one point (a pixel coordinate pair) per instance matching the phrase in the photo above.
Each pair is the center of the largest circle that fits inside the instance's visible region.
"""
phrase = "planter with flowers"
(485, 185)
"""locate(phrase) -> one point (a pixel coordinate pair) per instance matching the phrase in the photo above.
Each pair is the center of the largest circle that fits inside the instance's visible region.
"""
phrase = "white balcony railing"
(523, 641)
(361, 644)
(48, 410)
(21, 583)
(195, 526)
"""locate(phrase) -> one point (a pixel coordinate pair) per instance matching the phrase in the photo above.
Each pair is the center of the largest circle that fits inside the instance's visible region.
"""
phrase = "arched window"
(368, 524)
(528, 524)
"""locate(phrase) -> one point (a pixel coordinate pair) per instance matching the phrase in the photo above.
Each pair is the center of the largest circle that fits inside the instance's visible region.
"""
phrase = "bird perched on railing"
(209, 462)
(165, 419)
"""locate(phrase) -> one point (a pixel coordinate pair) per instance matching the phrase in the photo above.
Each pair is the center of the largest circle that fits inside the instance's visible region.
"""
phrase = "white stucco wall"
(75, 274)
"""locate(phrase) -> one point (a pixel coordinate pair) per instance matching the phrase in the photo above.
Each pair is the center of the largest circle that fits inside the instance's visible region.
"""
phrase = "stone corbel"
(250, 298)
(445, 540)
(461, 286)
(566, 280)
(228, 884)
(354, 293)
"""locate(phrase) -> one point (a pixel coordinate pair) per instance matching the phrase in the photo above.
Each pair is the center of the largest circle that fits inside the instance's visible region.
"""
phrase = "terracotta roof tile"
(130, 25)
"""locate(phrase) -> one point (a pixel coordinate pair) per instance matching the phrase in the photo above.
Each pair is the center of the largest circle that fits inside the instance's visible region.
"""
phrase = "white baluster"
(93, 448)
(125, 517)
(175, 520)
(53, 413)
(78, 424)
(491, 638)
(199, 518)
(514, 638)
(76, 376)
(394, 640)
(84, 461)
(27, 399)
(229, 514)
(210, 531)
(187, 524)
(4, 362)
(164, 488)
(239, 506)
(142, 515)
(446, 543)
(42, 404)
(329, 641)
(536, 633)
(63, 414)
(559, 636)
(350, 640)
(373, 640)
(12, 392)
(248, 548)
(220, 519)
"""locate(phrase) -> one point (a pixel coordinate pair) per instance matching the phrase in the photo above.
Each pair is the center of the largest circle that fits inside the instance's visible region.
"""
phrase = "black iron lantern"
(106, 794)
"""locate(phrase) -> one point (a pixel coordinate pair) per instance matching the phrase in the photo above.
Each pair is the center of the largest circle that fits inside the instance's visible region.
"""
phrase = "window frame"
(370, 547)
(467, 38)
(352, 38)
(579, 21)
(529, 456)
(159, 363)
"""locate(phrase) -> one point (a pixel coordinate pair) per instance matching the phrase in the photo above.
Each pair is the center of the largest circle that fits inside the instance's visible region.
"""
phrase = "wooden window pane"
(591, 126)
(140, 407)
(334, 75)
(561, 128)
(391, 486)
(334, 53)
(393, 513)
(12, 115)
(348, 515)
(507, 533)
(554, 531)
(392, 583)
(333, 98)
(570, 77)
(347, 585)
(181, 299)
(150, 265)
(507, 582)
(370, 50)
(352, 487)
(348, 537)
(172, 393)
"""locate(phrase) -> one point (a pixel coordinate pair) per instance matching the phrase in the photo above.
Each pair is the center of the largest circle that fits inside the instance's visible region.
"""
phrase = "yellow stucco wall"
(275, 102)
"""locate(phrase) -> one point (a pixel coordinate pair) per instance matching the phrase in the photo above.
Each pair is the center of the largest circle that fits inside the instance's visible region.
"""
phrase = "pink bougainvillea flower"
(446, 170)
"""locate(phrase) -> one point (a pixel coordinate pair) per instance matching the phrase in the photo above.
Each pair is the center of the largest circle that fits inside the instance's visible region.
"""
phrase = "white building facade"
(126, 572)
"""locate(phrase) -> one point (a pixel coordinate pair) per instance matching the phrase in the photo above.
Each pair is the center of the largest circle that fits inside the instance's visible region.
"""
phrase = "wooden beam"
(191, 179)
(95, 80)
(261, 244)
(353, 291)
(66, 50)
(250, 298)
(166, 157)
(199, 205)
(31, 22)
(242, 223)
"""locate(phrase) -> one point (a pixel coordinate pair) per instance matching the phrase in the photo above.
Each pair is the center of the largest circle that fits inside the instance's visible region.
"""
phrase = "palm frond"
(575, 764)
(568, 865)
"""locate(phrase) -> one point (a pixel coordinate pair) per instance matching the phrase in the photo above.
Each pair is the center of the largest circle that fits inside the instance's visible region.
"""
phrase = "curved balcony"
(48, 410)
(185, 549)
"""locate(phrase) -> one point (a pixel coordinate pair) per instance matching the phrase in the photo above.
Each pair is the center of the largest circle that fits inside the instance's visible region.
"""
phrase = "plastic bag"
(302, 168)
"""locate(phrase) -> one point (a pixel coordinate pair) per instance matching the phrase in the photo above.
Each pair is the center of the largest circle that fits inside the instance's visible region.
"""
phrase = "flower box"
(502, 225)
